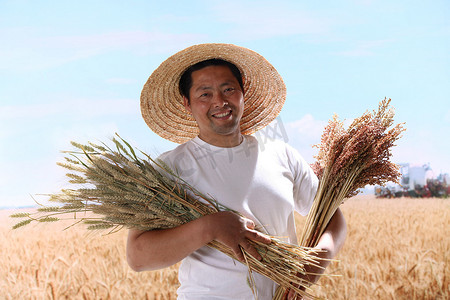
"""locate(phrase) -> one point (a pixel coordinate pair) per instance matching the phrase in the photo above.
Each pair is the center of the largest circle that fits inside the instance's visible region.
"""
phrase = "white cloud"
(29, 49)
(305, 133)
(422, 147)
(27, 177)
(265, 19)
(307, 128)
(81, 107)
(447, 116)
(364, 2)
(366, 48)
(62, 136)
(37, 166)
(121, 81)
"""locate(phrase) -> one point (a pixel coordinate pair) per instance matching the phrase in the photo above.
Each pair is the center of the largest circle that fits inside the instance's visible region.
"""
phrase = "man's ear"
(186, 104)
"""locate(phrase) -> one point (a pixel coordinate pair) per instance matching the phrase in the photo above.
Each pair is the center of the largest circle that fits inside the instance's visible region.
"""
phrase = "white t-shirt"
(265, 182)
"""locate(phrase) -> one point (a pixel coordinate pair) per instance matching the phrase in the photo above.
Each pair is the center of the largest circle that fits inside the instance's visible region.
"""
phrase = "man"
(210, 97)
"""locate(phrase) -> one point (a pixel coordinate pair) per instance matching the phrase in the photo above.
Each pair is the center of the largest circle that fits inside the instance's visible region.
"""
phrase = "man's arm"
(331, 241)
(156, 249)
(334, 236)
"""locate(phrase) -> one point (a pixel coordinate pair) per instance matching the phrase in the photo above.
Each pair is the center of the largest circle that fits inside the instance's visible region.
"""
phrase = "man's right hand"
(157, 249)
(235, 232)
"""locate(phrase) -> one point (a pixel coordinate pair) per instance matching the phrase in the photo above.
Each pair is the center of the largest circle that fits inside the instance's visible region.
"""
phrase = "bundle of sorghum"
(117, 189)
(349, 160)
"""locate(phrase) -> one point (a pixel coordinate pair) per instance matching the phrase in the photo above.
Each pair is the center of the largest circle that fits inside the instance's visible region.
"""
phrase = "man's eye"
(229, 89)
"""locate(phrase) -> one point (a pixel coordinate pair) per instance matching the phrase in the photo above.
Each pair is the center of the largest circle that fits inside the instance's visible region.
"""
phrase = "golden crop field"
(395, 249)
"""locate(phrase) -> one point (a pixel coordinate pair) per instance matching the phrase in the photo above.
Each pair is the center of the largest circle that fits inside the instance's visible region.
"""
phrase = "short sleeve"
(305, 181)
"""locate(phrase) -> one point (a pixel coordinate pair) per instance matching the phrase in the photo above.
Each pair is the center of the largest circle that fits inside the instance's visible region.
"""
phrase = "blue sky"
(74, 71)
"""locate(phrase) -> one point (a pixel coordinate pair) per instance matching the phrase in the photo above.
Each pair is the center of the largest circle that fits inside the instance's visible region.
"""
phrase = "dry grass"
(43, 262)
(395, 249)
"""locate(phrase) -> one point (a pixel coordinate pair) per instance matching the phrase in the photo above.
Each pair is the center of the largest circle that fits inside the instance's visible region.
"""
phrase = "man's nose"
(220, 100)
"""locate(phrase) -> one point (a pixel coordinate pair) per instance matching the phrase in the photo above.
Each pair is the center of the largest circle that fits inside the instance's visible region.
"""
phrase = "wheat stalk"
(124, 190)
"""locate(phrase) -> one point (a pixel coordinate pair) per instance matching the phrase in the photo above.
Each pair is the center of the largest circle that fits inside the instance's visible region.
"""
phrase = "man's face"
(216, 103)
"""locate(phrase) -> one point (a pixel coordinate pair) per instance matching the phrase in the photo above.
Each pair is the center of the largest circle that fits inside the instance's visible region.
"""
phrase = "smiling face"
(217, 104)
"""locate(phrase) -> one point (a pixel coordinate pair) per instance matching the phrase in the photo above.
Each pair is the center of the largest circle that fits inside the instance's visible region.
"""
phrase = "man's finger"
(238, 252)
(250, 224)
(258, 236)
(251, 250)
(264, 238)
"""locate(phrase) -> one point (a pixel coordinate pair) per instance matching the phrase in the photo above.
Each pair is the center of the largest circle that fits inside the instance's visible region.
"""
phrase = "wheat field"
(395, 249)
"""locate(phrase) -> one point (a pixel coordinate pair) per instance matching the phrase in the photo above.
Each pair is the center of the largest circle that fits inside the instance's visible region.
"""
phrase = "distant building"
(444, 178)
(416, 181)
(415, 175)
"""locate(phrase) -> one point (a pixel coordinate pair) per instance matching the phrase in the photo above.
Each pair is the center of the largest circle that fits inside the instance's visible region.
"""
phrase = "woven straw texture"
(162, 105)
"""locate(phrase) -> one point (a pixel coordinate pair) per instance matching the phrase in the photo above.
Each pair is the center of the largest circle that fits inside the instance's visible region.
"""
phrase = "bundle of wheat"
(124, 190)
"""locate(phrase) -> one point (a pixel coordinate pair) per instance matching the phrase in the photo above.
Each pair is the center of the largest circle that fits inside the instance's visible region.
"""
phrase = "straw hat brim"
(162, 104)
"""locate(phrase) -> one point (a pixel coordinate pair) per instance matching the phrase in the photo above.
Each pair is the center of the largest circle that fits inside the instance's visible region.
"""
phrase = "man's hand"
(329, 245)
(313, 277)
(157, 249)
(235, 232)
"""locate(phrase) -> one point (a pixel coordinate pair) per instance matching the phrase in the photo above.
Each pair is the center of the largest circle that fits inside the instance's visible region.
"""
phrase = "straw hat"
(162, 104)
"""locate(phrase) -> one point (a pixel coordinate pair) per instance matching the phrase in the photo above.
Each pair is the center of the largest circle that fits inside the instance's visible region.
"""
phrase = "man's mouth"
(222, 115)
